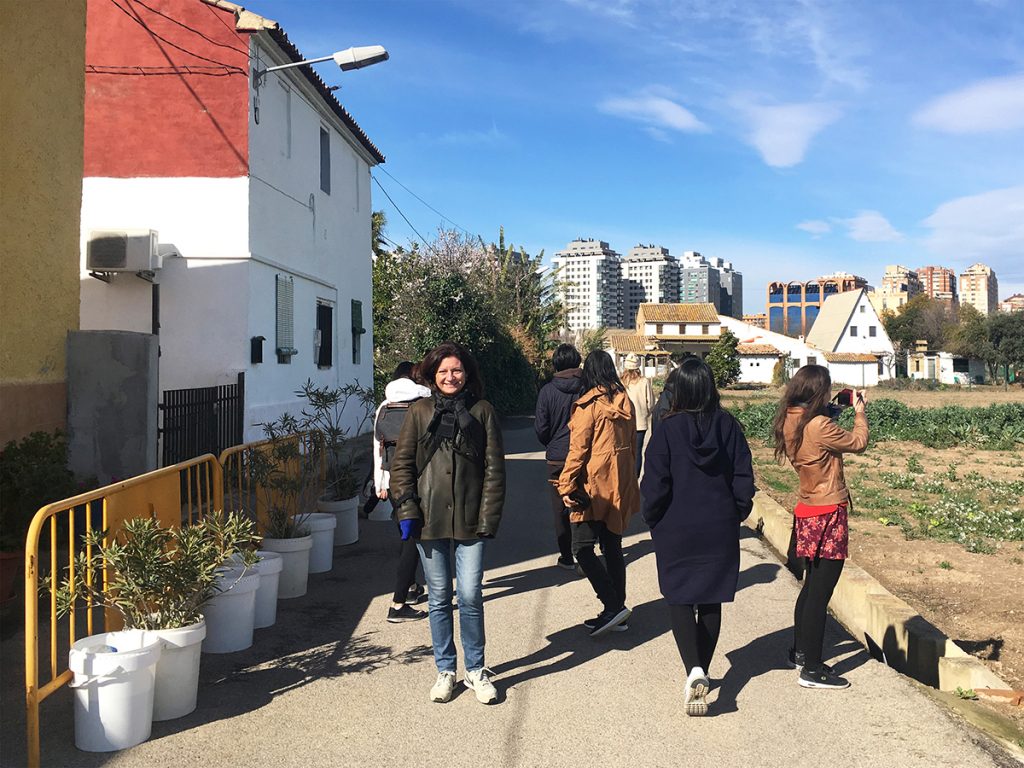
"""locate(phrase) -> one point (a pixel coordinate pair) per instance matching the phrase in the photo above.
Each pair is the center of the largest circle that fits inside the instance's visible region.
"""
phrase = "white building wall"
(757, 369)
(865, 318)
(203, 292)
(858, 375)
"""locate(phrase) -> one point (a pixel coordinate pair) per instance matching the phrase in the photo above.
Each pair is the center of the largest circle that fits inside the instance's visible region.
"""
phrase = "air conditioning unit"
(123, 250)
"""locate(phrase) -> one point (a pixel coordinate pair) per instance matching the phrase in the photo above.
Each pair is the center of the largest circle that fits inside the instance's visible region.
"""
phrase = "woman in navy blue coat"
(698, 487)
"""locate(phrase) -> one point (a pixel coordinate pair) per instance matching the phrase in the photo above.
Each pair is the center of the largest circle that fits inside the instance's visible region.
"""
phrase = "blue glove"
(410, 529)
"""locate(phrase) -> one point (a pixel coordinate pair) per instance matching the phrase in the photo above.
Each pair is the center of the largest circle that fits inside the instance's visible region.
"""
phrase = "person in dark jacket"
(448, 485)
(698, 487)
(664, 405)
(554, 406)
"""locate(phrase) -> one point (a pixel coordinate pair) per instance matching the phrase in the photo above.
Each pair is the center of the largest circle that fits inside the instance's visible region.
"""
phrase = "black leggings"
(408, 559)
(820, 579)
(696, 628)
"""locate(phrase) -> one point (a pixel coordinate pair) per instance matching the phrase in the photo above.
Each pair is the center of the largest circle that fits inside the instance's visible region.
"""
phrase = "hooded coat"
(698, 486)
(602, 459)
(554, 406)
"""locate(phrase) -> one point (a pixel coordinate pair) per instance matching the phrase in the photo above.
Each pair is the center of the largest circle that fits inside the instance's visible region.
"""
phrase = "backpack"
(388, 428)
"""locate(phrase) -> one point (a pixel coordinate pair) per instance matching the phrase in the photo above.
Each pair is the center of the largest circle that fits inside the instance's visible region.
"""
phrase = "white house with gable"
(850, 334)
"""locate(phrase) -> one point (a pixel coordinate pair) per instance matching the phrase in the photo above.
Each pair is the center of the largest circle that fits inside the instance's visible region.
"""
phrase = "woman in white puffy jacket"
(399, 394)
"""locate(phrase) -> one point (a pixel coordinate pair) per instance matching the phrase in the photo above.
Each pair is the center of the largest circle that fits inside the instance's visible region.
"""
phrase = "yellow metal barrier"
(184, 492)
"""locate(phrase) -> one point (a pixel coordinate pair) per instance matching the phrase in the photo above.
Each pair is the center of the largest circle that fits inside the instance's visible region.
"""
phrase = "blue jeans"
(436, 558)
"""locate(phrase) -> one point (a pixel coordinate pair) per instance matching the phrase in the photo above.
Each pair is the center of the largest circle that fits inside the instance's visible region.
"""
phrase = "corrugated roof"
(246, 21)
(677, 313)
(832, 320)
(850, 357)
(757, 349)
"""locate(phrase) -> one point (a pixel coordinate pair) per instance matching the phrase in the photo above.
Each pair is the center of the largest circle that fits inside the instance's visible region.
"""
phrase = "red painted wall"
(145, 113)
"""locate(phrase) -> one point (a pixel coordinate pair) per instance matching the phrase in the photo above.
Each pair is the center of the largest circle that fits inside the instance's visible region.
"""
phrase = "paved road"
(332, 684)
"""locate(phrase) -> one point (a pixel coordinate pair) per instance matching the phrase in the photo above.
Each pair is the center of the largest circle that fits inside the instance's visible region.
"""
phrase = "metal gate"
(201, 420)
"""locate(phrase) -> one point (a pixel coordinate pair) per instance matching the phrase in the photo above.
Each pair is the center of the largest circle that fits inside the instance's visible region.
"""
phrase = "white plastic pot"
(295, 564)
(177, 672)
(321, 527)
(231, 614)
(269, 569)
(114, 682)
(346, 512)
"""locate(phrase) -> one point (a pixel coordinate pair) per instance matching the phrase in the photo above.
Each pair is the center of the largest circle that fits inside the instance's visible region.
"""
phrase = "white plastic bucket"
(346, 512)
(114, 681)
(269, 568)
(295, 564)
(231, 614)
(177, 672)
(321, 528)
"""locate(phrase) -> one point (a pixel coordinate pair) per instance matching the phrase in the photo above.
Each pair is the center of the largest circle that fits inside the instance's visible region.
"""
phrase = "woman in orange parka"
(598, 484)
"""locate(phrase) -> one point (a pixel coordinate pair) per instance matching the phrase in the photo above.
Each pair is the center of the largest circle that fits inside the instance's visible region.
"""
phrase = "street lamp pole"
(350, 58)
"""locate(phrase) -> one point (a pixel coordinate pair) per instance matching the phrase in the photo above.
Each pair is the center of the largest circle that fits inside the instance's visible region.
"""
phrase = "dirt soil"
(975, 598)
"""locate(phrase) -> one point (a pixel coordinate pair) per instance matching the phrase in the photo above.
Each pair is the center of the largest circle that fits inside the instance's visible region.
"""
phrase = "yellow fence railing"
(181, 493)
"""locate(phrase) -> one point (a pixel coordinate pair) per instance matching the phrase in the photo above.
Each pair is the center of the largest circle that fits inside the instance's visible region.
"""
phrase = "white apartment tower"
(650, 276)
(590, 284)
(979, 288)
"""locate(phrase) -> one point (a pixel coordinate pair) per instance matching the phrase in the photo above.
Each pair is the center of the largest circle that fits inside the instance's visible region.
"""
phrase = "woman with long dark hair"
(807, 435)
(448, 485)
(598, 485)
(698, 487)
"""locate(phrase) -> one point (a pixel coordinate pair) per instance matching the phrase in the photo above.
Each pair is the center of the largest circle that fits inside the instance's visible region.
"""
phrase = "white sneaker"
(479, 680)
(694, 697)
(444, 687)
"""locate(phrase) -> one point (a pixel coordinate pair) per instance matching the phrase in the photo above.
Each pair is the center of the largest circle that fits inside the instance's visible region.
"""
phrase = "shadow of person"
(761, 655)
(572, 646)
(761, 573)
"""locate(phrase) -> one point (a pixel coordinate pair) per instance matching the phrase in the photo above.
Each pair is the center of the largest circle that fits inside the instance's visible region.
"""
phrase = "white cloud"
(995, 104)
(492, 136)
(816, 227)
(654, 110)
(987, 227)
(782, 133)
(871, 227)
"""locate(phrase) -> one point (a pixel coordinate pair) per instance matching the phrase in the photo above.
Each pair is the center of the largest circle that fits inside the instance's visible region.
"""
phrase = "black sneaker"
(796, 659)
(405, 613)
(416, 594)
(822, 677)
(608, 620)
(566, 563)
(591, 623)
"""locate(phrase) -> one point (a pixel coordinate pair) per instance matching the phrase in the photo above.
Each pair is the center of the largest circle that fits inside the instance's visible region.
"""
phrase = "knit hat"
(632, 363)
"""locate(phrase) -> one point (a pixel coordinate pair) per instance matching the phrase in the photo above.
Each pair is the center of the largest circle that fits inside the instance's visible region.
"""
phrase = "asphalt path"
(333, 684)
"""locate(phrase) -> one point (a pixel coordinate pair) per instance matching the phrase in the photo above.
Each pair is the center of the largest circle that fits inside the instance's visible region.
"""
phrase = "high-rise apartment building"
(899, 285)
(979, 288)
(939, 283)
(699, 282)
(794, 306)
(650, 276)
(1013, 303)
(590, 284)
(730, 288)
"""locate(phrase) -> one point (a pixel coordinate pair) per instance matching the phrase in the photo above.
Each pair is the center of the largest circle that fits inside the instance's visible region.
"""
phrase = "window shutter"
(285, 318)
(325, 161)
(357, 331)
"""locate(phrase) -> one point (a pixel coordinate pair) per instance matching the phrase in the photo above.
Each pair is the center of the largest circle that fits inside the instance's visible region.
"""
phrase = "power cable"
(186, 26)
(446, 218)
(400, 213)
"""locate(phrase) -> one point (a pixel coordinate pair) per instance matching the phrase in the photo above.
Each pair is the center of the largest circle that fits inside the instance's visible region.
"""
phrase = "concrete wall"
(855, 374)
(757, 369)
(42, 98)
(112, 404)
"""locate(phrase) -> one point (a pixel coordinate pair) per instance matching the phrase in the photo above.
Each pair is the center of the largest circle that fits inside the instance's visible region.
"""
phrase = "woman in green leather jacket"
(448, 488)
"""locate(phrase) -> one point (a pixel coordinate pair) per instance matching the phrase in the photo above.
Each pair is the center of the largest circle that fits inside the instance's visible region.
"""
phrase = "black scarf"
(453, 423)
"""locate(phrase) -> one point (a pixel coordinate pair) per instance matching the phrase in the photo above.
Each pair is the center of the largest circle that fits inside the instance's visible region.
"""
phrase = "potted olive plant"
(284, 473)
(158, 579)
(338, 414)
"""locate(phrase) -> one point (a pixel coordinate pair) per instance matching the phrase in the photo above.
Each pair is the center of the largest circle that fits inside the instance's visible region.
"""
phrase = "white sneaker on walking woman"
(443, 689)
(695, 696)
(479, 681)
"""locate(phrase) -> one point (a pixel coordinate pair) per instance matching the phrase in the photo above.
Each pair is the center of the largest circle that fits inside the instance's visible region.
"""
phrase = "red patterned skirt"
(824, 536)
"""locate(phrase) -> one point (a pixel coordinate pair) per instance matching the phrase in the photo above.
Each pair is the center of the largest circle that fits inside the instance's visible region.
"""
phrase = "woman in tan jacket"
(641, 395)
(807, 435)
(598, 485)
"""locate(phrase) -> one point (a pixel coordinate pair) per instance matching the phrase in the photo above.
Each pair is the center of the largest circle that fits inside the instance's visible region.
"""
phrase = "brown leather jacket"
(602, 459)
(819, 460)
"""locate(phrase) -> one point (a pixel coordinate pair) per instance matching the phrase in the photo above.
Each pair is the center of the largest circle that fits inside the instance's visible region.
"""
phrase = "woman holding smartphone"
(807, 435)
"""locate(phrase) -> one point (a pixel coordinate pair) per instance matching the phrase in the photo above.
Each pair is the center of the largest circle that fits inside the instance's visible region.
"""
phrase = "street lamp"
(350, 58)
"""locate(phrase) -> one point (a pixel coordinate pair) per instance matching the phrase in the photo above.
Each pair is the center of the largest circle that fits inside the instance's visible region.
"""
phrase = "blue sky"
(792, 138)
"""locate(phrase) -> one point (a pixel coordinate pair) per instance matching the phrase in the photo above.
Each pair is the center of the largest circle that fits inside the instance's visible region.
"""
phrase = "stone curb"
(889, 628)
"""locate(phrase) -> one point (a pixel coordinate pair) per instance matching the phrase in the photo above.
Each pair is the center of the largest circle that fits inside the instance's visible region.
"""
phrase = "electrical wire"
(446, 218)
(400, 213)
(304, 204)
(186, 26)
(193, 69)
(142, 24)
